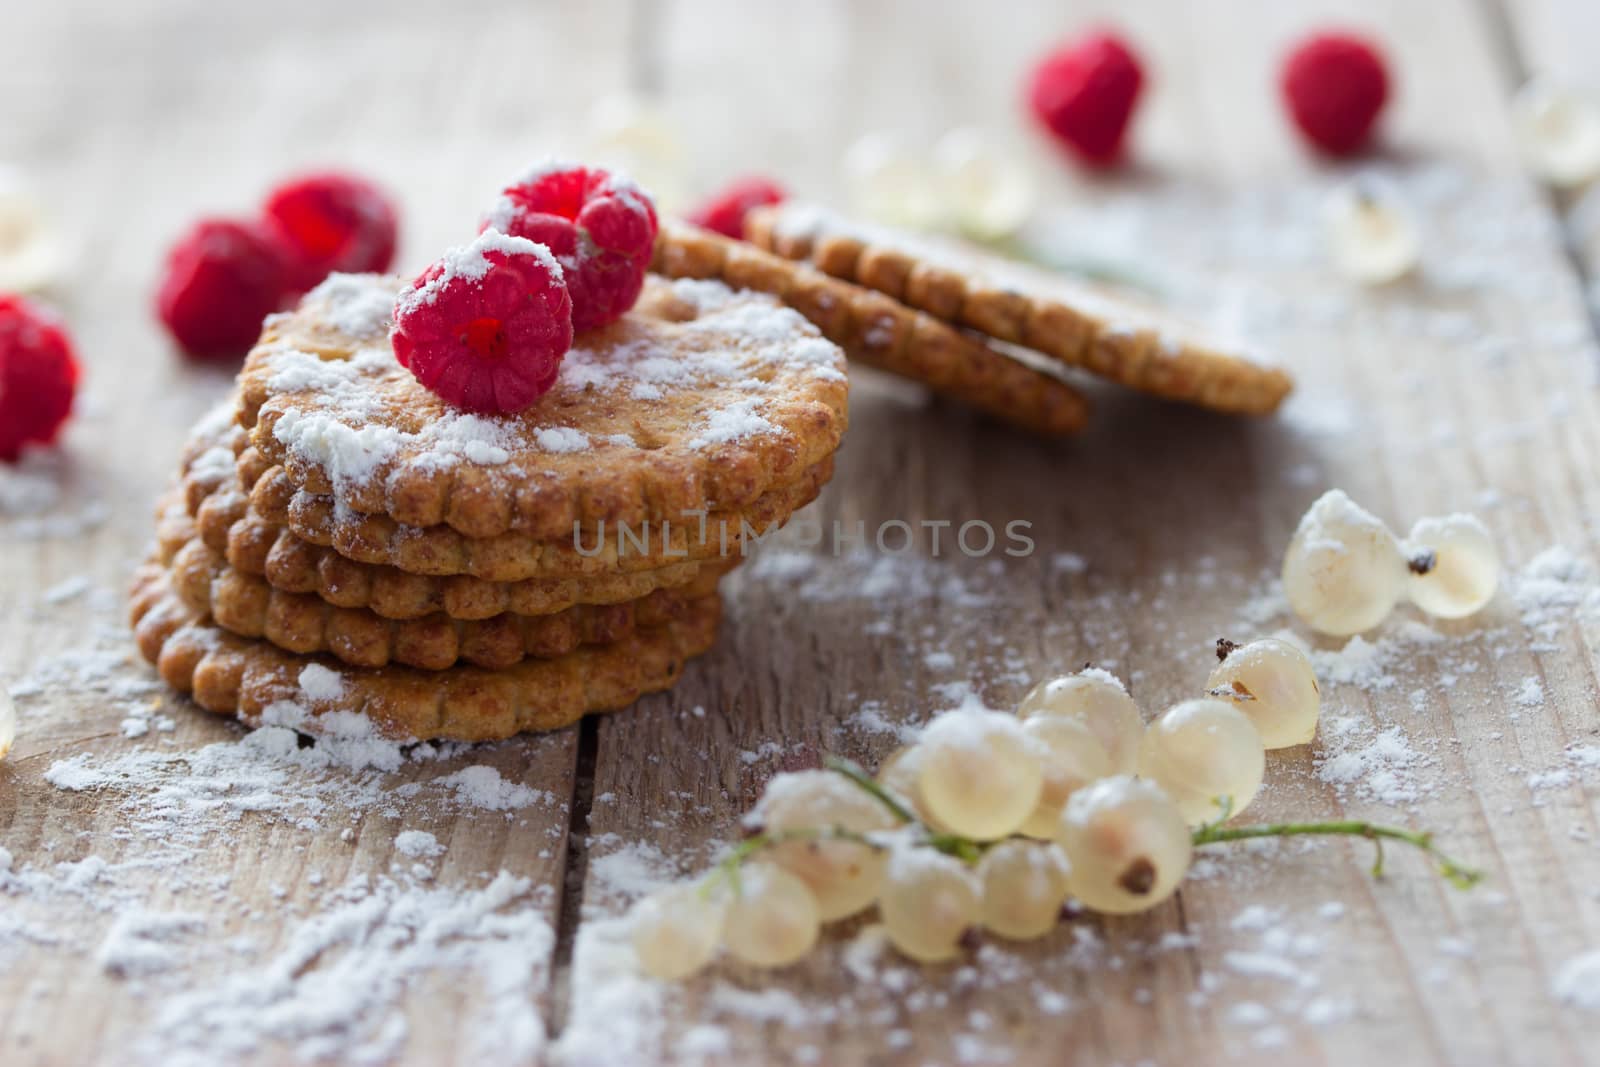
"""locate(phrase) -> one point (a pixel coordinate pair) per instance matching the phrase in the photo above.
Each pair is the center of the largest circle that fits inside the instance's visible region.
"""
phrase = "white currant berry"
(1371, 235)
(929, 903)
(1456, 566)
(1071, 757)
(1558, 131)
(30, 249)
(898, 774)
(1272, 683)
(1099, 700)
(1127, 845)
(979, 775)
(886, 183)
(1024, 886)
(772, 917)
(1344, 571)
(8, 722)
(676, 930)
(1207, 757)
(844, 876)
(989, 191)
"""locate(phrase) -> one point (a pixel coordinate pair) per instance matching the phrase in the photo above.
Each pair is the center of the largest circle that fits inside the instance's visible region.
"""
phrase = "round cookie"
(210, 503)
(883, 333)
(605, 548)
(263, 685)
(247, 606)
(700, 398)
(1115, 335)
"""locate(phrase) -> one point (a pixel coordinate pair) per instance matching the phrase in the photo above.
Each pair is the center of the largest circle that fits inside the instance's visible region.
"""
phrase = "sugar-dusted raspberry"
(1084, 94)
(332, 222)
(222, 278)
(1335, 86)
(38, 375)
(486, 326)
(725, 211)
(600, 226)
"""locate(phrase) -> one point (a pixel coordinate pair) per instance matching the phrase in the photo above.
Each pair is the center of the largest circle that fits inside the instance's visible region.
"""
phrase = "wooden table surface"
(1469, 387)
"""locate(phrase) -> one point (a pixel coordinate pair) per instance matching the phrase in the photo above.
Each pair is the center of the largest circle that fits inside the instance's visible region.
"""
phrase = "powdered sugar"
(738, 420)
(335, 988)
(358, 306)
(561, 439)
(1577, 982)
(472, 263)
(319, 684)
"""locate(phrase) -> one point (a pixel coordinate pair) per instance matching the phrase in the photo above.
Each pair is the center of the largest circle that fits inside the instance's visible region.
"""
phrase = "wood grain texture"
(1467, 388)
(1179, 517)
(135, 121)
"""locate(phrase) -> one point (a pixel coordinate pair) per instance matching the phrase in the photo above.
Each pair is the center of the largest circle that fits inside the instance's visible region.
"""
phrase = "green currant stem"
(950, 844)
(854, 772)
(1458, 875)
(728, 866)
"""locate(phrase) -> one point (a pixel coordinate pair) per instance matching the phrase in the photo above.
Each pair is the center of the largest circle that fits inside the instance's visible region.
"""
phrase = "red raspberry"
(38, 374)
(600, 226)
(222, 279)
(1335, 85)
(1085, 92)
(332, 222)
(725, 212)
(487, 325)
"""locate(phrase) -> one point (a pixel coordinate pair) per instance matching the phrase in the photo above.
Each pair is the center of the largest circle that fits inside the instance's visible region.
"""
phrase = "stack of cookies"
(344, 550)
(994, 334)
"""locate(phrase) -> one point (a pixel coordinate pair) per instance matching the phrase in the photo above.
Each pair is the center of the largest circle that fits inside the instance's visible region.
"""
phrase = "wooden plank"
(134, 121)
(1549, 38)
(1462, 389)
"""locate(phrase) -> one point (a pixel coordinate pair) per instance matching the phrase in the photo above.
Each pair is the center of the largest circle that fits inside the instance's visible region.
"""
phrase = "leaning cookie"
(247, 606)
(881, 332)
(1116, 335)
(263, 685)
(698, 399)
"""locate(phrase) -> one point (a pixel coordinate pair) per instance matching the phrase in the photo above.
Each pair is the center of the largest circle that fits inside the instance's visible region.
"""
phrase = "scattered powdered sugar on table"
(1577, 982)
(39, 499)
(332, 986)
(335, 988)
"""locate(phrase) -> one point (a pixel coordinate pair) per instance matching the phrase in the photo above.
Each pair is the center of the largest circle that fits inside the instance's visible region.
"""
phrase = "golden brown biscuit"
(223, 519)
(607, 548)
(883, 333)
(1118, 336)
(245, 605)
(700, 398)
(263, 685)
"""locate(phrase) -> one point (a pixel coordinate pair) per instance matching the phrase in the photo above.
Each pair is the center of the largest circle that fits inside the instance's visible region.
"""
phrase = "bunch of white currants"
(1345, 571)
(991, 821)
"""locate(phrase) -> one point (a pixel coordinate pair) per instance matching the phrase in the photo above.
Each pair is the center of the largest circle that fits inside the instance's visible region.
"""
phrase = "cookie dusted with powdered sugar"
(211, 503)
(590, 550)
(700, 398)
(262, 684)
(247, 606)
(1115, 335)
